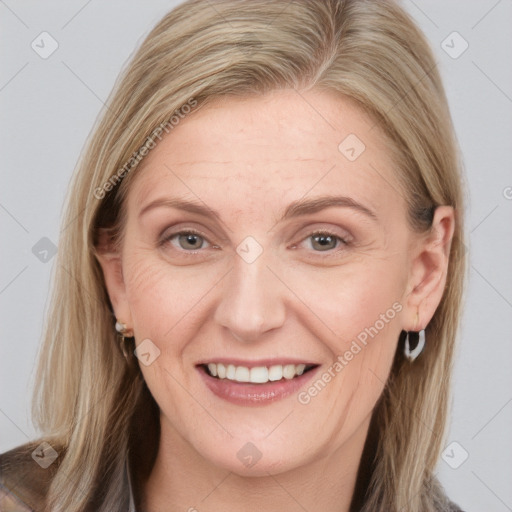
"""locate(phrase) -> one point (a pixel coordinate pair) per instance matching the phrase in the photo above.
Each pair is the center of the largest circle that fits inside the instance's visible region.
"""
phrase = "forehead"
(245, 151)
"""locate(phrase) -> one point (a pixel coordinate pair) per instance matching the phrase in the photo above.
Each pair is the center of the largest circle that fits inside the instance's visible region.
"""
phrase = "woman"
(258, 291)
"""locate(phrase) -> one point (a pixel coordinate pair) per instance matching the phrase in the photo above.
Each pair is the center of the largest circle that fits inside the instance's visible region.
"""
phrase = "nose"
(251, 304)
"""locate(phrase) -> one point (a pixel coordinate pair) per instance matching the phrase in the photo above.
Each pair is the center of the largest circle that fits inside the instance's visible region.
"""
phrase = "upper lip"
(260, 362)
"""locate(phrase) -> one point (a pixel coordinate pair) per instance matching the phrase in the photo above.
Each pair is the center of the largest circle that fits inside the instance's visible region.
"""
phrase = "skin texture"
(248, 159)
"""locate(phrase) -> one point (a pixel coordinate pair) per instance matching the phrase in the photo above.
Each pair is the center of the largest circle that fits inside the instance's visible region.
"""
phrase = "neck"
(193, 484)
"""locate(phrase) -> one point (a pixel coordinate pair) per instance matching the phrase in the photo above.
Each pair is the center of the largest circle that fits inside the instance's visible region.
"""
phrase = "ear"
(108, 255)
(429, 268)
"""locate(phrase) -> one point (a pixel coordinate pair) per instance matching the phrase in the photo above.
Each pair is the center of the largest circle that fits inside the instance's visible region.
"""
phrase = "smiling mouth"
(257, 374)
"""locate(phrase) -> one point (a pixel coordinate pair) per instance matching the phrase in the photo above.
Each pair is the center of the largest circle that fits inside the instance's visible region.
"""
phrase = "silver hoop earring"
(419, 341)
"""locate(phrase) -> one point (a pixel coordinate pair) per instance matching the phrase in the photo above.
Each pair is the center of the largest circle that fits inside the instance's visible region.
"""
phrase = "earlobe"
(429, 269)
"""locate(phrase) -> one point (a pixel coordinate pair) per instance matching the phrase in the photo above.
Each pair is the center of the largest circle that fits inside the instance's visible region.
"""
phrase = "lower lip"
(245, 393)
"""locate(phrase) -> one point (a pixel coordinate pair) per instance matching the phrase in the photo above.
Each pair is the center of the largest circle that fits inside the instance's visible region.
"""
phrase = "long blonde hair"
(89, 402)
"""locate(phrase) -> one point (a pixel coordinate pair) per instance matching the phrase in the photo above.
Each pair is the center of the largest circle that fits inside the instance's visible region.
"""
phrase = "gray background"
(48, 107)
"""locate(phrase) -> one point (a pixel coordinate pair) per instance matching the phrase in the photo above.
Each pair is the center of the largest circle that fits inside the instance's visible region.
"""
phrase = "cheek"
(359, 310)
(351, 298)
(164, 300)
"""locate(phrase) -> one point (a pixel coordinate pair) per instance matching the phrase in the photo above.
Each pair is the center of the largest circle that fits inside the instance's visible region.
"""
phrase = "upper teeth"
(258, 374)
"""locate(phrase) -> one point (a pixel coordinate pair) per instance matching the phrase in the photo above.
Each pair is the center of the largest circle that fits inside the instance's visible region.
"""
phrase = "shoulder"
(447, 506)
(26, 473)
(439, 499)
(454, 508)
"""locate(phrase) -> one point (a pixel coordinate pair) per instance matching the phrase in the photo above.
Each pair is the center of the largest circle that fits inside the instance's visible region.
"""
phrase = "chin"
(254, 458)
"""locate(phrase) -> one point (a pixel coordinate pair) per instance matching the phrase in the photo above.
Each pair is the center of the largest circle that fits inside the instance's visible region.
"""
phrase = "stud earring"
(125, 334)
(120, 327)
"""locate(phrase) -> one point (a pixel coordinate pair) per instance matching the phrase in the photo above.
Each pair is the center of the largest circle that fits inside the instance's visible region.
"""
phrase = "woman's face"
(294, 256)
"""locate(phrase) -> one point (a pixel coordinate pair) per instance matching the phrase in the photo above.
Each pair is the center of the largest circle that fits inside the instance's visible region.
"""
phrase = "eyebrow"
(294, 209)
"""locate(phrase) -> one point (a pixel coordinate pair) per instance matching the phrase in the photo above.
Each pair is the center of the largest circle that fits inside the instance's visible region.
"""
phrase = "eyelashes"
(190, 242)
